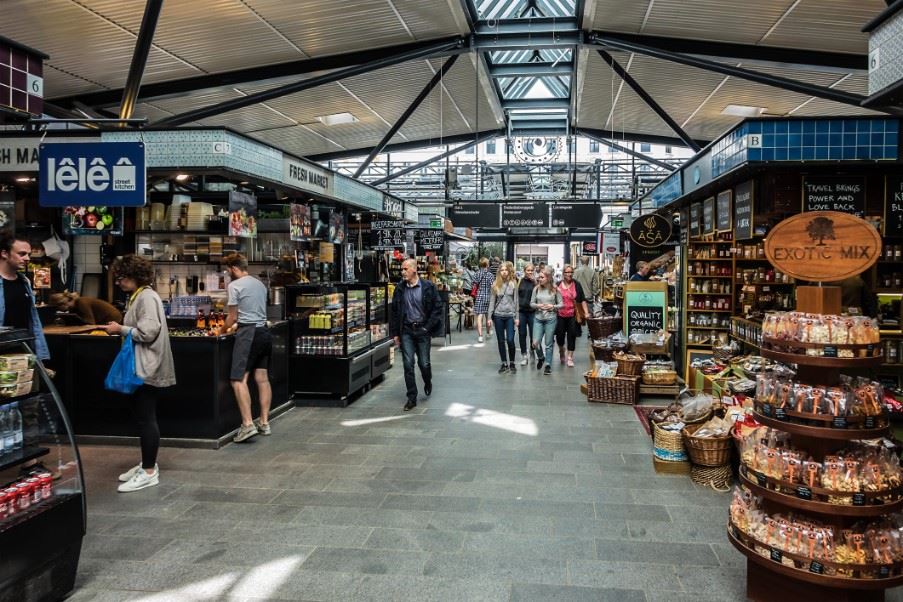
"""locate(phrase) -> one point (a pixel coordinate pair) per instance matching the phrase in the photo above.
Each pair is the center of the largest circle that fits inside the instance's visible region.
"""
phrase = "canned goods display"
(24, 495)
(34, 485)
(46, 485)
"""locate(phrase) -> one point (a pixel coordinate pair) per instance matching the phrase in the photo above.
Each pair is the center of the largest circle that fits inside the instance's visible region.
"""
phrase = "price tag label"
(884, 572)
(817, 568)
(766, 409)
(830, 351)
(760, 478)
(839, 422)
(859, 499)
(780, 414)
(776, 555)
(804, 493)
(869, 422)
(870, 349)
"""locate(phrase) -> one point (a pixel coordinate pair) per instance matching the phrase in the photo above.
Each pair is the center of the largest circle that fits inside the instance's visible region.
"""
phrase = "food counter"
(199, 411)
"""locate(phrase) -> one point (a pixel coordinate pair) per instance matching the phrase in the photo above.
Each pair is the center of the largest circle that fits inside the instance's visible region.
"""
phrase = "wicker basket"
(604, 326)
(627, 367)
(606, 354)
(668, 445)
(617, 389)
(662, 377)
(718, 478)
(707, 451)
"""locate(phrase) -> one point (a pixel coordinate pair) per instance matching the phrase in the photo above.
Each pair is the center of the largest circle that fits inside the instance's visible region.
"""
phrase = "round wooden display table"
(820, 432)
(820, 361)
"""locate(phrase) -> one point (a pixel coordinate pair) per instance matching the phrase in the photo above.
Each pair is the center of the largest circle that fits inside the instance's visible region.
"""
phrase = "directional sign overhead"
(92, 173)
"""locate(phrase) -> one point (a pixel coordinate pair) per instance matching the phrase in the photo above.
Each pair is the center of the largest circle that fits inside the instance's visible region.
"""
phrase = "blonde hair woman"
(483, 280)
(546, 300)
(503, 311)
(89, 309)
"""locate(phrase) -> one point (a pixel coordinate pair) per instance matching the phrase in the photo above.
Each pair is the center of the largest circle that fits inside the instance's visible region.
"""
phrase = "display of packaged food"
(14, 362)
(12, 377)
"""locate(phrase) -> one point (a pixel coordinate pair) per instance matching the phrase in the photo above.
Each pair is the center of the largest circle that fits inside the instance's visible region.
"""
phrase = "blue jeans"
(504, 333)
(419, 343)
(544, 335)
(525, 331)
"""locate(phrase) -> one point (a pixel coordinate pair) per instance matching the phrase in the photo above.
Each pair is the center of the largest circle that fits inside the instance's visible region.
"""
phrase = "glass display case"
(378, 312)
(328, 320)
(42, 503)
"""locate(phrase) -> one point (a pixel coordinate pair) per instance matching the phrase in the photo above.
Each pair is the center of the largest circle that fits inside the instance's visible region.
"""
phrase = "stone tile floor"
(499, 487)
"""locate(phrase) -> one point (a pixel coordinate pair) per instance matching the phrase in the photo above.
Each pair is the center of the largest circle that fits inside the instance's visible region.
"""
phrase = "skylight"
(521, 9)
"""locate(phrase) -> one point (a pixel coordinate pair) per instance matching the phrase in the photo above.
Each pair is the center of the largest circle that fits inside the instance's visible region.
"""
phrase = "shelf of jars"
(748, 332)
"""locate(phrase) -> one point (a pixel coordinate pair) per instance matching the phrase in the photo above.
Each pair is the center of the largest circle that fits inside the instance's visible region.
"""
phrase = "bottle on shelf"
(6, 429)
(201, 323)
(15, 425)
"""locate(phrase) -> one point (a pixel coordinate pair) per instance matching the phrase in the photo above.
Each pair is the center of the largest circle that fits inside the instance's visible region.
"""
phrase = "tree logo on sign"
(819, 229)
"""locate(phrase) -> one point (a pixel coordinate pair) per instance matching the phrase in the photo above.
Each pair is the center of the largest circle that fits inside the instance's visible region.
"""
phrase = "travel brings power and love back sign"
(823, 246)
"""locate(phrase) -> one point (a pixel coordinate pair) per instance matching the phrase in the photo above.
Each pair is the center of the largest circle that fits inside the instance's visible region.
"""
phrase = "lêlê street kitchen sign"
(823, 246)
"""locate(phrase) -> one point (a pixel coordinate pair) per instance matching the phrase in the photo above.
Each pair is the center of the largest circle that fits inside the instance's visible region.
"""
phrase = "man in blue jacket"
(17, 307)
(416, 316)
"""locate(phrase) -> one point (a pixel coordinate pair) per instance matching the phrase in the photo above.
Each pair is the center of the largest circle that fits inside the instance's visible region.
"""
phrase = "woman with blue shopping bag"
(144, 327)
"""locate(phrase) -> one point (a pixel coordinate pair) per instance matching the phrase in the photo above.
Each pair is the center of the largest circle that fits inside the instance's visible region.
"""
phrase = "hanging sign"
(823, 246)
(429, 240)
(611, 243)
(591, 247)
(242, 214)
(525, 214)
(743, 211)
(112, 174)
(393, 206)
(893, 205)
(387, 235)
(708, 216)
(723, 212)
(834, 193)
(299, 223)
(645, 307)
(306, 176)
(695, 220)
(650, 231)
(475, 215)
(576, 215)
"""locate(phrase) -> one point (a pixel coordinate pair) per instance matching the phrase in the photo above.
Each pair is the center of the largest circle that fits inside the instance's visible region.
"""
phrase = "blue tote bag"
(123, 377)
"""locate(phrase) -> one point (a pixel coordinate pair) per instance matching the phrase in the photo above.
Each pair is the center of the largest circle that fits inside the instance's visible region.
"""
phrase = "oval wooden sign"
(823, 246)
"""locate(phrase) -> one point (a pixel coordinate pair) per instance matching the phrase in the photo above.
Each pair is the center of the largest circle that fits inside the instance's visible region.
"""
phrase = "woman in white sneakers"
(546, 300)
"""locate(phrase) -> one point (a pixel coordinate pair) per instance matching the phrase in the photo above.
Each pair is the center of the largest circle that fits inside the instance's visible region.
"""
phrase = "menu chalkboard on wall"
(723, 213)
(893, 205)
(743, 211)
(695, 220)
(387, 235)
(834, 193)
(708, 215)
(684, 226)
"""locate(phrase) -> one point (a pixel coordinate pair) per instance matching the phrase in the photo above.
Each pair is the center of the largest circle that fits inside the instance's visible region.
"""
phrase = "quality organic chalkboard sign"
(708, 216)
(645, 307)
(743, 211)
(893, 205)
(723, 212)
(845, 194)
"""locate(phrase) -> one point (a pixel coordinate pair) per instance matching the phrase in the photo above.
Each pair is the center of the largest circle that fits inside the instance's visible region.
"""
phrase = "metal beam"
(531, 69)
(647, 98)
(307, 84)
(775, 55)
(531, 124)
(139, 57)
(536, 103)
(739, 72)
(403, 146)
(430, 161)
(524, 41)
(596, 134)
(184, 86)
(630, 151)
(533, 25)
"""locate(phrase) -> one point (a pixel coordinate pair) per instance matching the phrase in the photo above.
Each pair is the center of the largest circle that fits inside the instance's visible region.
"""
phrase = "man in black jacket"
(416, 316)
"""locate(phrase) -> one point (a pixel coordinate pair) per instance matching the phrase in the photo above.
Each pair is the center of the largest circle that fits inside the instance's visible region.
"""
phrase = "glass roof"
(519, 9)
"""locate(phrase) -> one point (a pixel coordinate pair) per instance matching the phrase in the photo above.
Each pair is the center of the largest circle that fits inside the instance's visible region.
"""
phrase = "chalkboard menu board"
(429, 240)
(474, 215)
(723, 211)
(743, 211)
(387, 235)
(708, 215)
(576, 215)
(834, 193)
(684, 227)
(893, 205)
(525, 214)
(645, 307)
(695, 220)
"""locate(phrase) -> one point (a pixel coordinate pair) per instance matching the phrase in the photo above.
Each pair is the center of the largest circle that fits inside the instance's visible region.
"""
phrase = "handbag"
(475, 289)
(579, 314)
(123, 377)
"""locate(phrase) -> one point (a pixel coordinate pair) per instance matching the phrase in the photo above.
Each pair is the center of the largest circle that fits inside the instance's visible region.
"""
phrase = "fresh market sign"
(306, 176)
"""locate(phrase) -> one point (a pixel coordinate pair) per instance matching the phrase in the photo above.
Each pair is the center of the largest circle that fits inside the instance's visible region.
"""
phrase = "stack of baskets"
(711, 458)
(603, 326)
(668, 446)
(621, 388)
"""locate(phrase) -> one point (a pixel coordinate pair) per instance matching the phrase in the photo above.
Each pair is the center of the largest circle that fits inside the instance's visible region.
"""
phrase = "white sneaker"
(140, 480)
(244, 433)
(524, 360)
(131, 472)
(263, 429)
(479, 339)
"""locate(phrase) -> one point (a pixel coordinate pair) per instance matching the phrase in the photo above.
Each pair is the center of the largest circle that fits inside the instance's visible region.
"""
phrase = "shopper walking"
(145, 321)
(503, 309)
(588, 279)
(17, 305)
(526, 313)
(483, 281)
(546, 301)
(247, 311)
(573, 300)
(416, 317)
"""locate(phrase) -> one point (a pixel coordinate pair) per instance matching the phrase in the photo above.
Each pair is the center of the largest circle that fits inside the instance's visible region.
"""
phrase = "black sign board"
(475, 215)
(387, 235)
(743, 211)
(893, 205)
(708, 215)
(723, 212)
(651, 230)
(518, 215)
(695, 220)
(429, 240)
(684, 227)
(645, 319)
(834, 193)
(576, 215)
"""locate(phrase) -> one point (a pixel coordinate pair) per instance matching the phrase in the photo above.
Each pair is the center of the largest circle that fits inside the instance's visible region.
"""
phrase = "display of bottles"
(220, 319)
(201, 323)
(712, 269)
(892, 253)
(11, 436)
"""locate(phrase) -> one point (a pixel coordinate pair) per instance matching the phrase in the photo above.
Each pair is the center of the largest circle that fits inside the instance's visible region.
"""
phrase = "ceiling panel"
(296, 140)
(834, 25)
(621, 15)
(432, 18)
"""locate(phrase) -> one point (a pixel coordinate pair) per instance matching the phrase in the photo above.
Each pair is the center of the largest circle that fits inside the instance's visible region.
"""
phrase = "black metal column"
(139, 57)
(437, 77)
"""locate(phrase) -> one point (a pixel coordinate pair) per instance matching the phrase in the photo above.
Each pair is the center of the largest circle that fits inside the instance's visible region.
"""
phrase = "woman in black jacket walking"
(525, 325)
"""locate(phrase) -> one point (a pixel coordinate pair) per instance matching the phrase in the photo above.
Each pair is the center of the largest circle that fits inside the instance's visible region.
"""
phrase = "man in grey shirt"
(247, 305)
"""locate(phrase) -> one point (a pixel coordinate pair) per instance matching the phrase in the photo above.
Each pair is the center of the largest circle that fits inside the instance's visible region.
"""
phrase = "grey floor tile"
(536, 592)
(266, 513)
(679, 531)
(233, 495)
(626, 575)
(428, 540)
(552, 548)
(385, 486)
(230, 553)
(364, 517)
(433, 503)
(116, 547)
(375, 562)
(491, 522)
(405, 587)
(504, 567)
(427, 473)
(541, 508)
(687, 554)
(330, 499)
(649, 512)
(303, 535)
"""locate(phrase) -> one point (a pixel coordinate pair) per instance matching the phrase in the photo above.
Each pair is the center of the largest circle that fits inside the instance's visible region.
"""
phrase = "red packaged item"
(46, 485)
(24, 495)
(12, 500)
(35, 484)
(4, 504)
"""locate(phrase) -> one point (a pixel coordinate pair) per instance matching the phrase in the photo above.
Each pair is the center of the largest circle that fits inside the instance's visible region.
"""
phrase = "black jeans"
(144, 408)
(415, 341)
(504, 334)
(566, 327)
(526, 324)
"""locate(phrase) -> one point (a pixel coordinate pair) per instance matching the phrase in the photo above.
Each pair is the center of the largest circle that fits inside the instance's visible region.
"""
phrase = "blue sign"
(113, 174)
